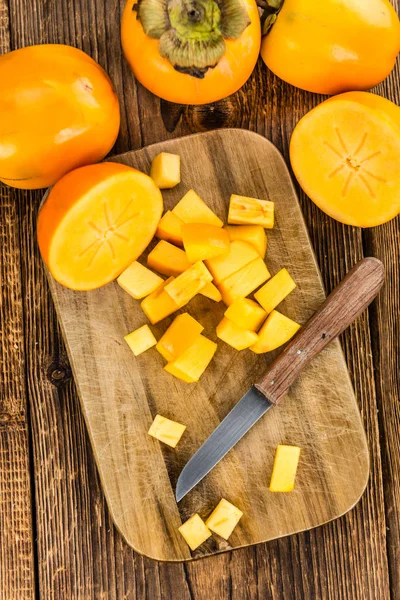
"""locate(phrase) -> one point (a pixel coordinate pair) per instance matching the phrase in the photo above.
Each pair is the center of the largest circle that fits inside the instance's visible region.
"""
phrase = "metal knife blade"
(241, 418)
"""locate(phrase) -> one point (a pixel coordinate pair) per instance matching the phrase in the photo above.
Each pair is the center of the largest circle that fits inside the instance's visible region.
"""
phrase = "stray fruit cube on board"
(211, 291)
(235, 336)
(168, 259)
(239, 255)
(169, 228)
(195, 532)
(224, 519)
(167, 431)
(246, 211)
(139, 281)
(203, 241)
(244, 282)
(140, 340)
(180, 335)
(192, 209)
(275, 290)
(190, 366)
(166, 170)
(189, 283)
(285, 468)
(276, 331)
(158, 305)
(252, 234)
(246, 313)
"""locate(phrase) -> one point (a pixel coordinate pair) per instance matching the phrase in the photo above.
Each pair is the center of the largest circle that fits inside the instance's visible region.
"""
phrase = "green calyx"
(192, 33)
(271, 9)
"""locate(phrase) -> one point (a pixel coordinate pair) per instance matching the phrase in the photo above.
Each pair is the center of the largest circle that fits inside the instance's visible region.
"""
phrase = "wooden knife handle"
(348, 300)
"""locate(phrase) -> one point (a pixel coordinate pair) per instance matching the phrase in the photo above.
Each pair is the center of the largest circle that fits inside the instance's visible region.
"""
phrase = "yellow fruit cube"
(239, 255)
(168, 259)
(166, 170)
(244, 282)
(192, 209)
(191, 364)
(202, 241)
(246, 313)
(159, 304)
(169, 229)
(277, 330)
(252, 234)
(235, 336)
(212, 292)
(140, 340)
(275, 290)
(195, 532)
(189, 283)
(139, 281)
(224, 519)
(167, 431)
(285, 468)
(246, 211)
(180, 335)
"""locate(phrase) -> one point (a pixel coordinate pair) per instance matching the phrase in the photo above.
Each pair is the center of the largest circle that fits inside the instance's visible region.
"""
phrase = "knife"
(348, 300)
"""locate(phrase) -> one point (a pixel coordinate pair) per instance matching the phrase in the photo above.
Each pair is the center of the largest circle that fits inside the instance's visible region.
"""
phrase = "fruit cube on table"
(224, 519)
(169, 228)
(190, 365)
(275, 290)
(203, 241)
(244, 282)
(195, 531)
(168, 259)
(239, 255)
(246, 211)
(235, 336)
(180, 335)
(167, 431)
(189, 283)
(140, 340)
(246, 313)
(139, 281)
(192, 209)
(252, 234)
(285, 468)
(276, 331)
(166, 170)
(158, 305)
(211, 291)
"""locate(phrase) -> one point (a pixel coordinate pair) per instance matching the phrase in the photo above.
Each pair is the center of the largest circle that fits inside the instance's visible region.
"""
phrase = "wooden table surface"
(56, 537)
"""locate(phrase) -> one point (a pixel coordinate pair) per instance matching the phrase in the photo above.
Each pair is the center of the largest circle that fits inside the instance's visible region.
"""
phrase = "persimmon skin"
(159, 76)
(58, 111)
(333, 46)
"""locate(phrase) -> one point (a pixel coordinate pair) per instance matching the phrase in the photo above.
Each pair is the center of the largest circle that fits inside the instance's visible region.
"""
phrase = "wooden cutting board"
(121, 394)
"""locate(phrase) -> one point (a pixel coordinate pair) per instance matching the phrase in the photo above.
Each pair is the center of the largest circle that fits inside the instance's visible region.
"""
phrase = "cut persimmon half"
(95, 222)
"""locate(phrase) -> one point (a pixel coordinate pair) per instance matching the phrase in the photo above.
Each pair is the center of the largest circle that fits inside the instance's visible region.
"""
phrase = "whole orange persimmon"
(58, 111)
(191, 51)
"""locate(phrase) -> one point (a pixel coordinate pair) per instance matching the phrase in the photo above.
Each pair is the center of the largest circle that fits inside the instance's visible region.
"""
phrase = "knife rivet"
(272, 382)
(298, 351)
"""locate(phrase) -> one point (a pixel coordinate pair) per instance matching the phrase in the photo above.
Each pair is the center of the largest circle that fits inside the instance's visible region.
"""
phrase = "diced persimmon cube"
(212, 292)
(189, 283)
(285, 468)
(140, 340)
(235, 336)
(167, 431)
(275, 290)
(239, 254)
(180, 335)
(246, 313)
(192, 209)
(169, 229)
(276, 331)
(224, 519)
(250, 211)
(244, 282)
(166, 170)
(139, 281)
(195, 532)
(168, 259)
(252, 234)
(190, 365)
(159, 304)
(203, 241)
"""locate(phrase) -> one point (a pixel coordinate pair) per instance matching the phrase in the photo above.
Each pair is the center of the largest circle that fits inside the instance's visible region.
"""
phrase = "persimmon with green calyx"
(191, 51)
